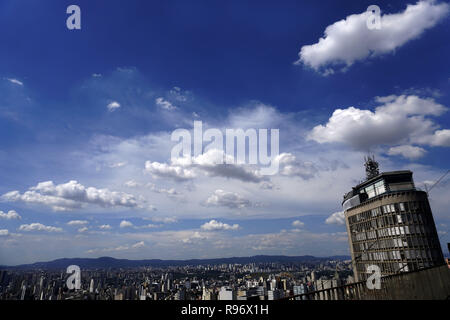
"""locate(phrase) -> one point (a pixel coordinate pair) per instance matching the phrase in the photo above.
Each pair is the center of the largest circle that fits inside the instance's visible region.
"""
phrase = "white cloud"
(71, 195)
(440, 138)
(298, 224)
(12, 214)
(164, 104)
(213, 163)
(132, 184)
(179, 95)
(77, 222)
(4, 232)
(407, 151)
(125, 224)
(170, 192)
(83, 229)
(231, 200)
(349, 40)
(152, 187)
(399, 120)
(118, 248)
(105, 227)
(194, 238)
(290, 166)
(215, 225)
(163, 170)
(39, 227)
(15, 81)
(149, 226)
(139, 244)
(117, 164)
(163, 219)
(113, 106)
(336, 218)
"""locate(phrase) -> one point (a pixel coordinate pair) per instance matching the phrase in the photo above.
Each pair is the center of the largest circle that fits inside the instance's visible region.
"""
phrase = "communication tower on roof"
(371, 167)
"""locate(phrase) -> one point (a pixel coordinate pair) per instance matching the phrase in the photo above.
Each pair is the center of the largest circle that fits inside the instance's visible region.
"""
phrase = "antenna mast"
(371, 165)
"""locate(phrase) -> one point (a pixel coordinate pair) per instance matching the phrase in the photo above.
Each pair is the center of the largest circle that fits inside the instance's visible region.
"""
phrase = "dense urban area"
(252, 281)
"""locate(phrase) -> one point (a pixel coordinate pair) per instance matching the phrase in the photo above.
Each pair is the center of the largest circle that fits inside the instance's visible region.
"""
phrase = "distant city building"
(390, 224)
(299, 289)
(208, 294)
(241, 295)
(226, 293)
(274, 294)
(233, 281)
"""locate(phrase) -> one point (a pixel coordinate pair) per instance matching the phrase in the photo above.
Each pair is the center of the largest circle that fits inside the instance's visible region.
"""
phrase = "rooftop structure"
(390, 224)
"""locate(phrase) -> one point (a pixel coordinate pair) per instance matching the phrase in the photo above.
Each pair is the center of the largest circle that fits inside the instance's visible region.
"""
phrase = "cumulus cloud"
(164, 104)
(77, 222)
(194, 238)
(39, 227)
(440, 138)
(407, 151)
(83, 229)
(11, 214)
(113, 106)
(164, 170)
(213, 163)
(105, 227)
(232, 200)
(215, 225)
(350, 40)
(336, 218)
(298, 224)
(125, 224)
(398, 120)
(71, 195)
(290, 166)
(4, 232)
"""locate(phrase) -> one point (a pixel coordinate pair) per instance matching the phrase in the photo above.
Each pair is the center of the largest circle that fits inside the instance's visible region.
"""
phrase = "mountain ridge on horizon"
(110, 262)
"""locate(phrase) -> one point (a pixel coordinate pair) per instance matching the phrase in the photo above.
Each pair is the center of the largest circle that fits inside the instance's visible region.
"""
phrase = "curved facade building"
(390, 225)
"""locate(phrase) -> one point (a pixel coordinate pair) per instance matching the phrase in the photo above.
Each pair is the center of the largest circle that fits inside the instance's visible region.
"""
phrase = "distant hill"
(112, 263)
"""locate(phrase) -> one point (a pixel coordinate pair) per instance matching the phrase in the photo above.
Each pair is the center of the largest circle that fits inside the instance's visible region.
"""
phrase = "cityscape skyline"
(87, 118)
(257, 280)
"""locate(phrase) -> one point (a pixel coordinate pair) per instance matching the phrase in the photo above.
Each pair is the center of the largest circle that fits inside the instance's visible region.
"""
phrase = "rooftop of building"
(397, 173)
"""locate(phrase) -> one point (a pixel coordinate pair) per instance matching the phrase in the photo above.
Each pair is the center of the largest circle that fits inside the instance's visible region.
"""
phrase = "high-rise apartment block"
(390, 224)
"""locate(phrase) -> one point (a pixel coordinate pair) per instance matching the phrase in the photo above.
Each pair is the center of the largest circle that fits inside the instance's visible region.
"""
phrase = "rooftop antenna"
(371, 167)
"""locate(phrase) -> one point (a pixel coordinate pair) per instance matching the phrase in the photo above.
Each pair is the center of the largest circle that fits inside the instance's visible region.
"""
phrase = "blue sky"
(86, 117)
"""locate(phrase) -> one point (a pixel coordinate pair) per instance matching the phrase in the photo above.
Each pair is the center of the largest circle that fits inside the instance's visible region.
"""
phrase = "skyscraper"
(390, 224)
